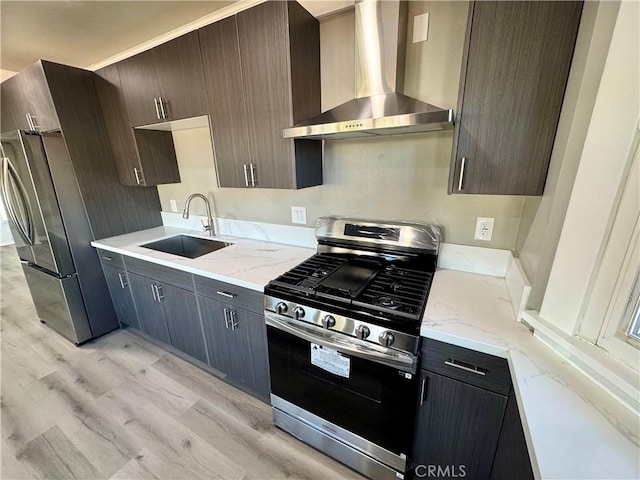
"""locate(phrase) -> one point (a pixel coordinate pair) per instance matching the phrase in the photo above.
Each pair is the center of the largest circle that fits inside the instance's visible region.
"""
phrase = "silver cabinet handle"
(424, 384)
(123, 282)
(226, 294)
(234, 322)
(162, 110)
(253, 178)
(246, 177)
(226, 318)
(159, 292)
(461, 179)
(137, 174)
(472, 369)
(155, 101)
(153, 292)
(106, 257)
(31, 122)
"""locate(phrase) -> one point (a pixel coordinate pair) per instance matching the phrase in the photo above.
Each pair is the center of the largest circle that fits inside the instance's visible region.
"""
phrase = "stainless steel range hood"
(378, 109)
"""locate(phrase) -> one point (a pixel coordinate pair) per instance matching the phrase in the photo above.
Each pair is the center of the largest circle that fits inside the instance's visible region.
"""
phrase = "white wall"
(602, 165)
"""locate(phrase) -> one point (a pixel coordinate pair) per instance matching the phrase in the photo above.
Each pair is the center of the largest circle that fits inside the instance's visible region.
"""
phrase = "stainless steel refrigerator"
(52, 234)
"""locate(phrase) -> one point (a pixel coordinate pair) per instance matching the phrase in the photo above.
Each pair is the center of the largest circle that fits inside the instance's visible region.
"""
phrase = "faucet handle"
(207, 227)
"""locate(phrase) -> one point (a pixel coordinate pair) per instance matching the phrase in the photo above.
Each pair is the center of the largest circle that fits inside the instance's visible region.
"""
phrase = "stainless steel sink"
(186, 246)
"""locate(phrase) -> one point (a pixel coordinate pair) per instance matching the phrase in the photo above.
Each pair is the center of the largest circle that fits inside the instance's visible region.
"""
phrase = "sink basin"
(186, 246)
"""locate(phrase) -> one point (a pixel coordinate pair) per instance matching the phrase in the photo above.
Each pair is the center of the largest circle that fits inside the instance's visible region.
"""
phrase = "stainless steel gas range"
(343, 334)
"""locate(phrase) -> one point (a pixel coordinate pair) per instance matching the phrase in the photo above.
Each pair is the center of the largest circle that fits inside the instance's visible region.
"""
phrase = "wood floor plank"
(57, 400)
(152, 387)
(54, 456)
(169, 440)
(274, 453)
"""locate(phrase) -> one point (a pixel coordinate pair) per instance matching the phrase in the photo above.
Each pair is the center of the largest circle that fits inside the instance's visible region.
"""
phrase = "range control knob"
(362, 332)
(281, 308)
(386, 339)
(328, 321)
(298, 313)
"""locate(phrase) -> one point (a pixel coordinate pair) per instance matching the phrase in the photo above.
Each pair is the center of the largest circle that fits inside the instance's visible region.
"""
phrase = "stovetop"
(379, 290)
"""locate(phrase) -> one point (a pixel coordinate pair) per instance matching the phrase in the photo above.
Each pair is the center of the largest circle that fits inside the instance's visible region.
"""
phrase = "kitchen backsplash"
(402, 177)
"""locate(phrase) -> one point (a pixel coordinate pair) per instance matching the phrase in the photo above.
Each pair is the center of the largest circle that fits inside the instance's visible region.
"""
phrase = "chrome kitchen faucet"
(209, 227)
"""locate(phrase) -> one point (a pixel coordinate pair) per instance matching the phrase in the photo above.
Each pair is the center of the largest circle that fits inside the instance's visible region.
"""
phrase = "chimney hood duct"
(378, 109)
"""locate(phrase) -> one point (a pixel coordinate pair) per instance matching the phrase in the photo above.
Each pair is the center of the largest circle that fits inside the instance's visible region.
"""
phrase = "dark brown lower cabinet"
(120, 291)
(169, 314)
(457, 429)
(512, 459)
(150, 313)
(237, 344)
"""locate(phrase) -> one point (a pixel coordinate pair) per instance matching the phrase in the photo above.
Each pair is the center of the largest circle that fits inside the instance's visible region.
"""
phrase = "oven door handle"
(347, 345)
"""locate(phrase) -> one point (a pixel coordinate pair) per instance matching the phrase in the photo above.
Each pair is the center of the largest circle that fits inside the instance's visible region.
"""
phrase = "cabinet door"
(27, 93)
(513, 82)
(225, 97)
(13, 114)
(37, 100)
(263, 39)
(218, 336)
(119, 132)
(179, 68)
(458, 426)
(120, 291)
(512, 457)
(150, 311)
(140, 89)
(249, 360)
(183, 321)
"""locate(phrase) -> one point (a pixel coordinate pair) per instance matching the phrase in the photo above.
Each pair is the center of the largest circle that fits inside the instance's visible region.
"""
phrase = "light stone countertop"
(246, 263)
(574, 429)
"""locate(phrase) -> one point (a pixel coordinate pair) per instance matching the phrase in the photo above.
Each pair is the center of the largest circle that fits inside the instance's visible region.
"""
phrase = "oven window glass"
(376, 402)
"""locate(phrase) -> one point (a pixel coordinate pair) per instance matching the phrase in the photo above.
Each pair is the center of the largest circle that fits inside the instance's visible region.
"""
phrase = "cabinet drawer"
(160, 273)
(475, 368)
(231, 294)
(110, 258)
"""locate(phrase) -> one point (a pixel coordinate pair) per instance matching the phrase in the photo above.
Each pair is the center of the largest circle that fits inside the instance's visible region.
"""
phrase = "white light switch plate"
(299, 215)
(421, 28)
(174, 205)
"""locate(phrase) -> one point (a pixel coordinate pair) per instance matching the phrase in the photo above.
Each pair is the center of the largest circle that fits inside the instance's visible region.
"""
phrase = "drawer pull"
(226, 294)
(104, 257)
(422, 390)
(472, 369)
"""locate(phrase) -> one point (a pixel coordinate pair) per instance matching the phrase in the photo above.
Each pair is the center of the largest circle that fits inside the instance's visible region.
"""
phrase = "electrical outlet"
(484, 228)
(299, 215)
(174, 205)
(421, 28)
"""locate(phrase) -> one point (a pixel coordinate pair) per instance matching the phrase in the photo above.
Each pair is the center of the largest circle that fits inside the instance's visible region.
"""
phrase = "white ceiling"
(87, 33)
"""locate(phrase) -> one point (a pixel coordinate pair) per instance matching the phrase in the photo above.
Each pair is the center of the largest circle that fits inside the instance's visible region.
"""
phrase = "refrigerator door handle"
(9, 172)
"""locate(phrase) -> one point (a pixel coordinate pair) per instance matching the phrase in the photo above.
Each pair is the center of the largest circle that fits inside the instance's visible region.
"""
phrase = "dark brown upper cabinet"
(263, 74)
(514, 74)
(64, 98)
(26, 102)
(142, 157)
(164, 83)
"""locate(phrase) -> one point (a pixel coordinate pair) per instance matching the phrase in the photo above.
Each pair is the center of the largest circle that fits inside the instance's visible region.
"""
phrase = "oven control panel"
(345, 325)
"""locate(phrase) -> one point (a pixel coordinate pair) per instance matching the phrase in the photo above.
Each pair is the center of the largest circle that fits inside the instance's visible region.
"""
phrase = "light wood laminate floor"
(123, 408)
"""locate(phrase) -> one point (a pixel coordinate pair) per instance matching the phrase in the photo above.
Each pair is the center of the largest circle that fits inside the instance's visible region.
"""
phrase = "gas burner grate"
(306, 276)
(398, 291)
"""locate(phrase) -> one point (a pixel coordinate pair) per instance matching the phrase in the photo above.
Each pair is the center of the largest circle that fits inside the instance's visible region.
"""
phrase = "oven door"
(366, 393)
